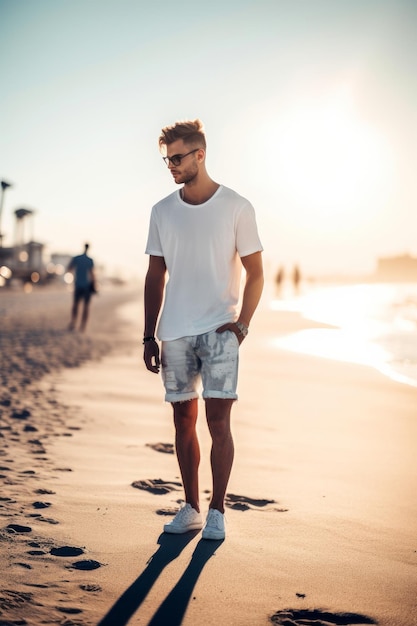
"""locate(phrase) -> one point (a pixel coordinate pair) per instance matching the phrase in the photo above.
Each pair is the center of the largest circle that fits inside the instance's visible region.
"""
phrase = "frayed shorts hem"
(181, 397)
(185, 397)
(221, 395)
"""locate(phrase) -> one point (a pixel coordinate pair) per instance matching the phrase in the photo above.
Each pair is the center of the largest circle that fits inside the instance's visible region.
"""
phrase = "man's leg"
(74, 312)
(86, 308)
(187, 448)
(222, 451)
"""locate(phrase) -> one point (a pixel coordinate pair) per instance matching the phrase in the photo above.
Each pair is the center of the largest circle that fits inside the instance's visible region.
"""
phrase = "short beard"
(188, 177)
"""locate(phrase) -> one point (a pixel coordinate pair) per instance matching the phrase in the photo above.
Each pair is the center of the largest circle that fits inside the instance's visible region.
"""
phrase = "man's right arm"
(154, 293)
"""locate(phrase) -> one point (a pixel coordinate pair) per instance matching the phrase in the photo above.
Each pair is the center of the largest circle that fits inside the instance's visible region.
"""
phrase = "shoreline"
(380, 336)
(320, 515)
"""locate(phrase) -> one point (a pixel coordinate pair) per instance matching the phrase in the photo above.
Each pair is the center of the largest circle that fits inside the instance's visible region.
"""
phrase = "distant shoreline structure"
(402, 268)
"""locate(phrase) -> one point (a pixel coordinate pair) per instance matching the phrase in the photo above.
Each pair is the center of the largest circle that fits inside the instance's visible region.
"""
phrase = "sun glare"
(329, 164)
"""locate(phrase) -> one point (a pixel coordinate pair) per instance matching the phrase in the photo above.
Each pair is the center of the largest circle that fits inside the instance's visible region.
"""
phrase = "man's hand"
(234, 328)
(151, 356)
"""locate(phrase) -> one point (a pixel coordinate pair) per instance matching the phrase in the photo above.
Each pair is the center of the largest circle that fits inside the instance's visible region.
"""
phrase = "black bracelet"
(152, 338)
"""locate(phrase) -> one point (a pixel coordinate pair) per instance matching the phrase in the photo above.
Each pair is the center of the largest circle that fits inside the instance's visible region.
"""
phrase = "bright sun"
(328, 164)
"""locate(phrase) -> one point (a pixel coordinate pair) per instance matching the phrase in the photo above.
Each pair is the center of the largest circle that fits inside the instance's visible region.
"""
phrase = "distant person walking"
(201, 235)
(82, 267)
(296, 277)
(279, 278)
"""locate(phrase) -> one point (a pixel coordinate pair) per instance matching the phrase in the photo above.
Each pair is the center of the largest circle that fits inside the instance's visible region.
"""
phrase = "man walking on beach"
(82, 267)
(200, 235)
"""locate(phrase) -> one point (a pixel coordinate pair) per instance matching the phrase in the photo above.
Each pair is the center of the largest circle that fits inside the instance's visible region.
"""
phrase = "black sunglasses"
(177, 158)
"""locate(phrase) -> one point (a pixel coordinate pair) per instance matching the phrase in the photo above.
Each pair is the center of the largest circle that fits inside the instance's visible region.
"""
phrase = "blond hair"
(191, 132)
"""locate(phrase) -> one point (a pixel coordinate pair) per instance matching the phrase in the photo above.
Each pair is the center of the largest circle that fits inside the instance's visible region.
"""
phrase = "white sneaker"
(214, 528)
(186, 519)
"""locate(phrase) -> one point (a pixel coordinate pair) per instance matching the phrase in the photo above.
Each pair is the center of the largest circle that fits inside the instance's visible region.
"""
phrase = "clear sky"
(310, 110)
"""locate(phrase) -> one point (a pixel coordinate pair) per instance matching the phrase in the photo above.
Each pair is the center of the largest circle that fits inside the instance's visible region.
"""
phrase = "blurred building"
(58, 264)
(24, 260)
(397, 268)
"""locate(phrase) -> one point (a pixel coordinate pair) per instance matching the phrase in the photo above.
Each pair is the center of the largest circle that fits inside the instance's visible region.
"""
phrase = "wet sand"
(321, 509)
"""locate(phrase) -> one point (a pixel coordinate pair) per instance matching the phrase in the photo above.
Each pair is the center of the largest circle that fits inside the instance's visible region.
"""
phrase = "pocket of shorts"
(235, 337)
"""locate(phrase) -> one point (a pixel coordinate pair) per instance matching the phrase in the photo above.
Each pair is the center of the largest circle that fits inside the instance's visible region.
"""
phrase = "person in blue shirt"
(82, 267)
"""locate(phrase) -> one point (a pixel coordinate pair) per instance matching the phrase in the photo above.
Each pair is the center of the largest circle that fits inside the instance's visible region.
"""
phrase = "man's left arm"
(92, 278)
(253, 286)
(251, 295)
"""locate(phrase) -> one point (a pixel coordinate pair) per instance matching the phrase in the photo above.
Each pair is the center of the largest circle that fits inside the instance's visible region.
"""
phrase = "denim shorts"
(211, 359)
(82, 293)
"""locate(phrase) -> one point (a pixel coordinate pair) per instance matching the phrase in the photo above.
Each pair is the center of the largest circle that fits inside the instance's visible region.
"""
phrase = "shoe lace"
(215, 519)
(184, 513)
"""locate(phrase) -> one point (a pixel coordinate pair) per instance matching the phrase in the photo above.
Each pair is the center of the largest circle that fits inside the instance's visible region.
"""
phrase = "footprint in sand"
(30, 429)
(41, 505)
(88, 564)
(318, 617)
(90, 587)
(66, 551)
(21, 414)
(167, 448)
(68, 610)
(18, 528)
(7, 500)
(243, 503)
(157, 486)
(15, 600)
(41, 518)
(169, 511)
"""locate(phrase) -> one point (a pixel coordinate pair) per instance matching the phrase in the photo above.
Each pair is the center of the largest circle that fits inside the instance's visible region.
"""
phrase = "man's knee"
(218, 409)
(185, 413)
(218, 417)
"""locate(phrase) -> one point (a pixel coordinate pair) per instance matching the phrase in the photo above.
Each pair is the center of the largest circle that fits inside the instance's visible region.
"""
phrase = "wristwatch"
(242, 328)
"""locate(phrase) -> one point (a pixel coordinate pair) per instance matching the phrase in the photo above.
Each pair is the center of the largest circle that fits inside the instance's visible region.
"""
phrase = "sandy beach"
(321, 507)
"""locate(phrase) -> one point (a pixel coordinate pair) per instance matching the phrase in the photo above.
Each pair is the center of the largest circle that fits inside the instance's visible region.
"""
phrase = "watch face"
(242, 328)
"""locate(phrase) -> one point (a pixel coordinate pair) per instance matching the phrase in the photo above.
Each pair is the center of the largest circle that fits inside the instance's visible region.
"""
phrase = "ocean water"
(373, 324)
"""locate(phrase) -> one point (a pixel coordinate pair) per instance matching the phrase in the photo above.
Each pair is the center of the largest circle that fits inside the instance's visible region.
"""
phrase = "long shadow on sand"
(173, 608)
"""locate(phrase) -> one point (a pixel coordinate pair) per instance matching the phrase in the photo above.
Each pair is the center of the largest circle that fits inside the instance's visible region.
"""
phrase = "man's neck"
(199, 193)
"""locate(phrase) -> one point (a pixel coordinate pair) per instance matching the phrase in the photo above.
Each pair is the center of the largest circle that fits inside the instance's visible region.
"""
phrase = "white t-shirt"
(201, 245)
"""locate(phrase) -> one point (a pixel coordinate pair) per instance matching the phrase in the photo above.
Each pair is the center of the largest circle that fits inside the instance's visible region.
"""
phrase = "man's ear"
(201, 155)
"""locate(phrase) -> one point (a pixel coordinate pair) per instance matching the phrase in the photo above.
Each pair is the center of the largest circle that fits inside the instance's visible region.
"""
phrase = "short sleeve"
(153, 245)
(247, 237)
